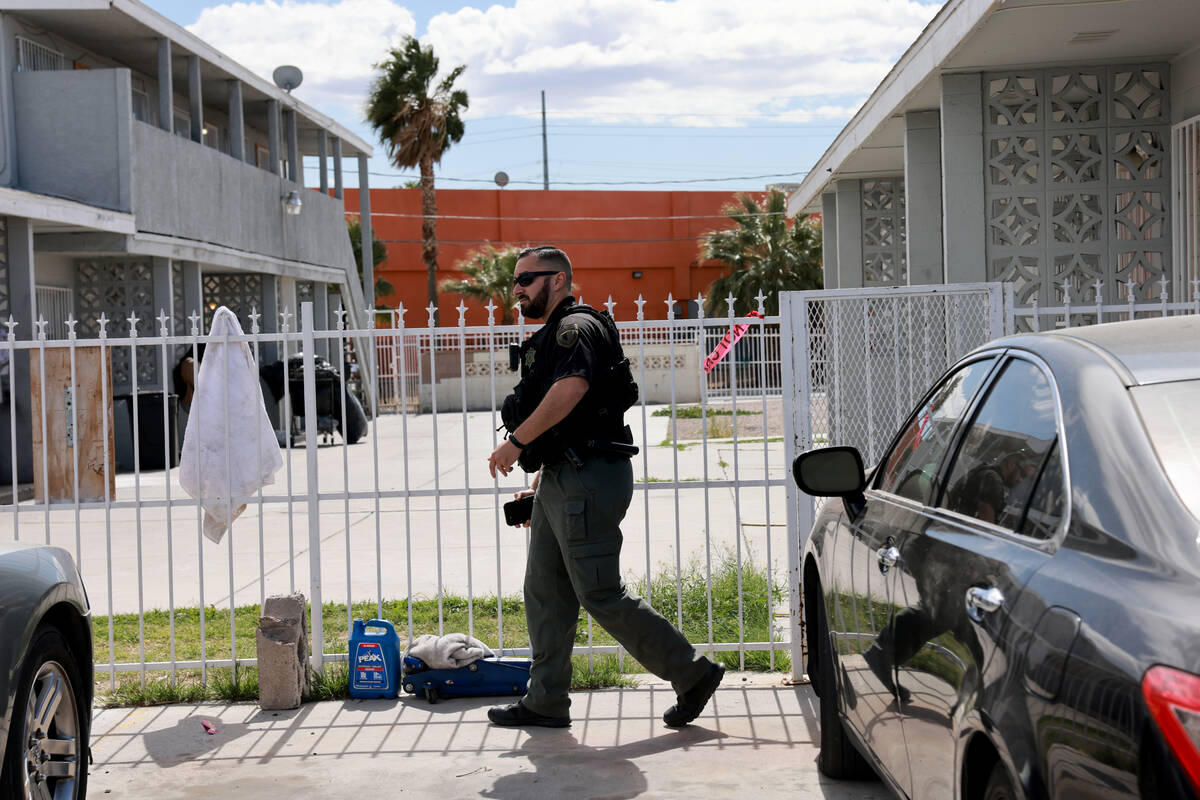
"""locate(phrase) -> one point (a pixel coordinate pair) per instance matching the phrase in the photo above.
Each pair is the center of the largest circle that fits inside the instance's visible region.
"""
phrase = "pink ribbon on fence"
(731, 337)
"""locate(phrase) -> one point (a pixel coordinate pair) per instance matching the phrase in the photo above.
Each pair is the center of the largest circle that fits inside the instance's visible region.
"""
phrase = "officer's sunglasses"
(527, 278)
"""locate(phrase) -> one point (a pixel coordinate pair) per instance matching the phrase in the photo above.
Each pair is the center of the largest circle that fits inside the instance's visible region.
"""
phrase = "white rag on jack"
(451, 651)
(229, 447)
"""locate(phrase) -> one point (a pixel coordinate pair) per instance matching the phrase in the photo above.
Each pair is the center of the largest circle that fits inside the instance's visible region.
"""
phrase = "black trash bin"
(151, 450)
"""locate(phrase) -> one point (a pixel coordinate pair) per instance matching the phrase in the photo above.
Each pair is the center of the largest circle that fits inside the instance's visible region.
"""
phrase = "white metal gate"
(859, 359)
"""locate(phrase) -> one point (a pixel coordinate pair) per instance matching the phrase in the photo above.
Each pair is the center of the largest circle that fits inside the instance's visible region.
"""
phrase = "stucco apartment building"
(1043, 144)
(621, 243)
(141, 171)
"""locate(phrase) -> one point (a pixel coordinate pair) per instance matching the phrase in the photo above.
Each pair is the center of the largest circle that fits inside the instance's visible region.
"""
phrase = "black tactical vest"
(600, 412)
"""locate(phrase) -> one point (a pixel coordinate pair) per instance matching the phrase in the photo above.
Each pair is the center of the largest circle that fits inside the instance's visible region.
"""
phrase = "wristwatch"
(520, 445)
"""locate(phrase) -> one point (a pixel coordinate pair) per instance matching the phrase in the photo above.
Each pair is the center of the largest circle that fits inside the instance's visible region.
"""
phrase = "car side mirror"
(830, 472)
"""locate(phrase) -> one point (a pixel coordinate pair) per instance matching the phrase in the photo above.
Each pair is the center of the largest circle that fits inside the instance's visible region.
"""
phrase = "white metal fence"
(408, 514)
(671, 350)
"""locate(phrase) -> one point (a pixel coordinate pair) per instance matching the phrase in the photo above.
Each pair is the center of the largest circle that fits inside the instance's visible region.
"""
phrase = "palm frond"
(763, 253)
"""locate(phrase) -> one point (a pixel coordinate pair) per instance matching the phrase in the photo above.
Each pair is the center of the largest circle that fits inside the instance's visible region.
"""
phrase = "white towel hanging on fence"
(229, 447)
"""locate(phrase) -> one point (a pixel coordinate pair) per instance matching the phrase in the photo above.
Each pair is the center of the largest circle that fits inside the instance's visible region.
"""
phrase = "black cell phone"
(518, 512)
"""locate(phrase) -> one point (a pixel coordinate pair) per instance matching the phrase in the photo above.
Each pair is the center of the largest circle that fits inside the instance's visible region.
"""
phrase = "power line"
(780, 115)
(614, 183)
(575, 219)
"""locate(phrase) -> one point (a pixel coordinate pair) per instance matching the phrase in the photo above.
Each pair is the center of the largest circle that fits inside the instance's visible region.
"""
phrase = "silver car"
(45, 674)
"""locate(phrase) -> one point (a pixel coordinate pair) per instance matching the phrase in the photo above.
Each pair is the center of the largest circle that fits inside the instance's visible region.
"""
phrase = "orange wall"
(604, 254)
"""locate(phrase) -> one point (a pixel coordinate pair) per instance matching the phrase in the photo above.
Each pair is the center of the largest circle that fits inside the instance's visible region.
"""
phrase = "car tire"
(999, 785)
(839, 757)
(356, 419)
(50, 667)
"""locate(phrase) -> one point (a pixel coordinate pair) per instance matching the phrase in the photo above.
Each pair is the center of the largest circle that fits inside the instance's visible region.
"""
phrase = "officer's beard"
(536, 307)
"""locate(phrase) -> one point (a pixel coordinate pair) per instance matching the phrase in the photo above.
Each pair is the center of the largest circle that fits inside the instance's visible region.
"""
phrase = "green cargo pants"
(575, 558)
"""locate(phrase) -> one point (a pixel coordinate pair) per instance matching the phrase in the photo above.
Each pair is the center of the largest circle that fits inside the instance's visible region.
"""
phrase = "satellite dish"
(287, 77)
(501, 179)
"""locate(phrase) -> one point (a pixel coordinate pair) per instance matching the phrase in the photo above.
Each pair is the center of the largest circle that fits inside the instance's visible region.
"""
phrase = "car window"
(910, 470)
(1005, 448)
(1046, 506)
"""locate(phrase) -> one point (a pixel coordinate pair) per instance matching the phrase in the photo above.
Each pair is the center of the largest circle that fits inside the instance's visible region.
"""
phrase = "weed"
(719, 428)
(696, 412)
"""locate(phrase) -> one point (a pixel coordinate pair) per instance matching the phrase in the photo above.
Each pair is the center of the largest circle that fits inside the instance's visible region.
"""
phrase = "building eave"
(64, 215)
(919, 63)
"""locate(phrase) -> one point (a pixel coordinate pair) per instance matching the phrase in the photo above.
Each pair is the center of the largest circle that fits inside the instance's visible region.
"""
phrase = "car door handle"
(888, 557)
(981, 601)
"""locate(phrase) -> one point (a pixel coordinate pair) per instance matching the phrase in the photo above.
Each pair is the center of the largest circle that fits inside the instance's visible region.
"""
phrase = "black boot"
(517, 715)
(689, 704)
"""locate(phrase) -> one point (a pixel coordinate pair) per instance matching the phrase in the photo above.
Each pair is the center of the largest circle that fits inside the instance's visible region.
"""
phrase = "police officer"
(580, 497)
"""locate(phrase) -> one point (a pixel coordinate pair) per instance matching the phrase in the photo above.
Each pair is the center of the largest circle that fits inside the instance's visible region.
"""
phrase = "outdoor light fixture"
(292, 203)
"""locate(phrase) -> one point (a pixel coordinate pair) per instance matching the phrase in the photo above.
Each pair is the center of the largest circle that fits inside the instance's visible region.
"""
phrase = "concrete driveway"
(755, 740)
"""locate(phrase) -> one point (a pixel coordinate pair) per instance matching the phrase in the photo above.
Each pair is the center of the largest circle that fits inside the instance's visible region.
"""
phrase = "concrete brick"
(282, 637)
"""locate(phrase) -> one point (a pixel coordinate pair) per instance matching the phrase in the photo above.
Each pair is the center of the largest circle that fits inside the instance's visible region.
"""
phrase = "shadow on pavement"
(564, 767)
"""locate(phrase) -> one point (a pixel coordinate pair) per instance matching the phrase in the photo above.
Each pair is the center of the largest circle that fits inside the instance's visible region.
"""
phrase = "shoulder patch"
(568, 334)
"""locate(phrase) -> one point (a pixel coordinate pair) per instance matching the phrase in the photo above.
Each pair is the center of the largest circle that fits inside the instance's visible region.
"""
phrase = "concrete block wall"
(73, 135)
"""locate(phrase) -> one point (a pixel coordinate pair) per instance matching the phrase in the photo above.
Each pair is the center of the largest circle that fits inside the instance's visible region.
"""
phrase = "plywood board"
(70, 435)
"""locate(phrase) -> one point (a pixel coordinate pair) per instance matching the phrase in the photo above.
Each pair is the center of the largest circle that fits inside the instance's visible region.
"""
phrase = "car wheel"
(839, 758)
(999, 786)
(47, 752)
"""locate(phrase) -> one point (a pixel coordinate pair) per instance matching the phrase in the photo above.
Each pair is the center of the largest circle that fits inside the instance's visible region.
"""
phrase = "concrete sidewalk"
(755, 739)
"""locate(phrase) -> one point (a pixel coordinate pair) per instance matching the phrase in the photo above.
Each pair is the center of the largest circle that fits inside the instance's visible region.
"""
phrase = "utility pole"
(545, 157)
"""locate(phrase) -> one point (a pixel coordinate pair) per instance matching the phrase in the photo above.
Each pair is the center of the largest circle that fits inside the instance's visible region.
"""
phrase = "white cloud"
(713, 60)
(335, 45)
(710, 58)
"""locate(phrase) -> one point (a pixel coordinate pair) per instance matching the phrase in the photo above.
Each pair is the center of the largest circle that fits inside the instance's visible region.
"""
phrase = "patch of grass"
(720, 428)
(694, 594)
(332, 683)
(668, 442)
(696, 412)
(722, 463)
(604, 673)
(226, 685)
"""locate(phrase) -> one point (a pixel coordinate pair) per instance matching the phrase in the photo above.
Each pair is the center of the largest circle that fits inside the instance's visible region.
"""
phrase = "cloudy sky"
(702, 94)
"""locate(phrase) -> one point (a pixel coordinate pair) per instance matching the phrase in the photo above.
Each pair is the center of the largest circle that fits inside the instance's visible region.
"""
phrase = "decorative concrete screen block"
(283, 652)
(1077, 182)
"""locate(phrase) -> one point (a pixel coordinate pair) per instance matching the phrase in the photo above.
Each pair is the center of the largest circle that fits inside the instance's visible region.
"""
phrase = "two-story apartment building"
(1047, 144)
(143, 171)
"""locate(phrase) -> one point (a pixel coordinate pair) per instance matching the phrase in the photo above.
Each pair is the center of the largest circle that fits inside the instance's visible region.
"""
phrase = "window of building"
(212, 136)
(141, 107)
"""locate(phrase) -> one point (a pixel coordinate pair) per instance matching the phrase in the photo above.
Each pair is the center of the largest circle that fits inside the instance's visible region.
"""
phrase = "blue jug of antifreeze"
(374, 659)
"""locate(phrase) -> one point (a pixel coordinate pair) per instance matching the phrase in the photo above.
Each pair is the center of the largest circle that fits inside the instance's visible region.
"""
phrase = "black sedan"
(45, 674)
(1008, 604)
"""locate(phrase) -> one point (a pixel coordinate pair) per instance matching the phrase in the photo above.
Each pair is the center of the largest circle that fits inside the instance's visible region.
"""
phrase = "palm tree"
(489, 277)
(417, 122)
(383, 287)
(763, 253)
